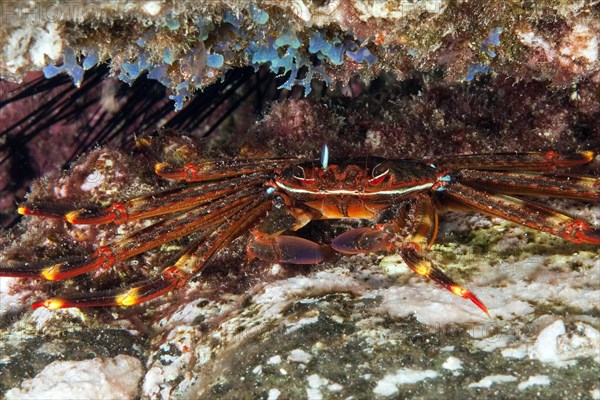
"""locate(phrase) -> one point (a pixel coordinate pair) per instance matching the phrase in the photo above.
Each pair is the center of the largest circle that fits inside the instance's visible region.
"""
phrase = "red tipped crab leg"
(411, 254)
(216, 170)
(146, 290)
(138, 242)
(533, 184)
(526, 213)
(548, 161)
(420, 233)
(409, 240)
(173, 276)
(170, 201)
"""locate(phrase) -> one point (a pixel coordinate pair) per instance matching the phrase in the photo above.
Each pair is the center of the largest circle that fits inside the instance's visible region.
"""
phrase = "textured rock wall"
(189, 44)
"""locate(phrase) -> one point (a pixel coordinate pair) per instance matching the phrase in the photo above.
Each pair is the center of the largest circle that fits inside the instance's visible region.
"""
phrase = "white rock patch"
(493, 342)
(31, 46)
(299, 356)
(315, 382)
(92, 181)
(545, 347)
(274, 394)
(489, 380)
(452, 364)
(389, 384)
(518, 353)
(582, 43)
(151, 7)
(554, 345)
(274, 360)
(9, 301)
(534, 381)
(100, 378)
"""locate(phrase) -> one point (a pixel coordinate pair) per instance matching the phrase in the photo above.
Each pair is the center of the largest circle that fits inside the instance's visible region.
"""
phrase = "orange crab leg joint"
(116, 213)
(138, 295)
(129, 298)
(422, 268)
(52, 273)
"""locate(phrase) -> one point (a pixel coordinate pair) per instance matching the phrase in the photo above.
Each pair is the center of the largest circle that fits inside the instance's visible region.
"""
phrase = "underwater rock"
(91, 379)
(187, 45)
(347, 327)
(518, 77)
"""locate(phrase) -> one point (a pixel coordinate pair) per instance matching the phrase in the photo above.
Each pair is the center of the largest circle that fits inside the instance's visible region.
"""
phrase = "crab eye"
(379, 173)
(298, 172)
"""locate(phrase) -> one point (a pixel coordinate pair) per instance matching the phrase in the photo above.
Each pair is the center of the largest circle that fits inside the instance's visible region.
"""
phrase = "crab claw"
(286, 249)
(360, 240)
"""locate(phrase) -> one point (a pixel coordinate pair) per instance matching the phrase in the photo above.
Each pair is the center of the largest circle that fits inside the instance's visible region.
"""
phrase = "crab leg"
(533, 184)
(524, 212)
(413, 257)
(548, 161)
(169, 201)
(138, 242)
(175, 275)
(219, 169)
(410, 241)
(422, 230)
(212, 169)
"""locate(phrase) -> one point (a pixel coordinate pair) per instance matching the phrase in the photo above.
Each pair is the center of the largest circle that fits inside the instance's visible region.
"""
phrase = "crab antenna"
(324, 156)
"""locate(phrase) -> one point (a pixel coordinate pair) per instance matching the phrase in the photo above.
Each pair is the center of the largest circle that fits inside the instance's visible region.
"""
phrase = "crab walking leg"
(410, 240)
(533, 184)
(147, 290)
(411, 254)
(208, 170)
(422, 230)
(170, 201)
(138, 242)
(220, 169)
(548, 161)
(525, 213)
(175, 275)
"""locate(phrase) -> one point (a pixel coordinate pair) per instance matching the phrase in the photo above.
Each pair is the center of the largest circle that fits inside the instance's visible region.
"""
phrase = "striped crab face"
(369, 178)
(358, 188)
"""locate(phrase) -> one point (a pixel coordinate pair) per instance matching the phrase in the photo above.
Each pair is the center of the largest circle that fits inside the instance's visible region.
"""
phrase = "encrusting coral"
(187, 45)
